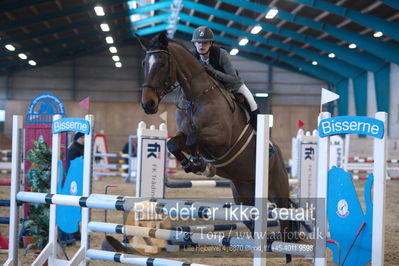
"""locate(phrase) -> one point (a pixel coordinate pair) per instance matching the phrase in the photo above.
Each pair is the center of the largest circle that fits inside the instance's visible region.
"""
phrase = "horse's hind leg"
(175, 146)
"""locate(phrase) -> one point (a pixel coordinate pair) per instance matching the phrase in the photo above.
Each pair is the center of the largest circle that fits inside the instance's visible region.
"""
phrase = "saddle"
(240, 100)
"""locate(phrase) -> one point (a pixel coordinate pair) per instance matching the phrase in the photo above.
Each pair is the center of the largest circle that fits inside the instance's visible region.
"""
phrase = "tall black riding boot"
(254, 118)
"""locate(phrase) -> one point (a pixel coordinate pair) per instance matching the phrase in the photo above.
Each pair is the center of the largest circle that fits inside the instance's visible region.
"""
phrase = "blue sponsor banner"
(71, 124)
(351, 125)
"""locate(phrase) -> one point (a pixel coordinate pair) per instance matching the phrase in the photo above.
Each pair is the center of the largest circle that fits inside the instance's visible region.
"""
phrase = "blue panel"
(361, 59)
(360, 89)
(342, 88)
(382, 88)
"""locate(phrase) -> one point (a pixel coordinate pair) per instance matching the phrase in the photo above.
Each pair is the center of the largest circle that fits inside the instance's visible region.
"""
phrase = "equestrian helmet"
(203, 34)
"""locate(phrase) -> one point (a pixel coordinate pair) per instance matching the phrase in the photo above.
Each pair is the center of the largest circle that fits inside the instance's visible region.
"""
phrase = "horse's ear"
(143, 42)
(163, 39)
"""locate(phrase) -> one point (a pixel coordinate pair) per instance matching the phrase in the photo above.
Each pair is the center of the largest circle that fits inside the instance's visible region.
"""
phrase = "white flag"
(164, 116)
(328, 96)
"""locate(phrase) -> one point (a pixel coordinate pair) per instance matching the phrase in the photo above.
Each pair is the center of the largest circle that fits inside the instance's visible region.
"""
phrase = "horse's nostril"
(150, 104)
(149, 107)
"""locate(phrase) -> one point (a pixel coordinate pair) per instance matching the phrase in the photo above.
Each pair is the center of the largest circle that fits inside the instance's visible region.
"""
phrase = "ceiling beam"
(52, 15)
(85, 22)
(376, 23)
(317, 71)
(13, 5)
(368, 61)
(334, 65)
(259, 58)
(392, 3)
(93, 50)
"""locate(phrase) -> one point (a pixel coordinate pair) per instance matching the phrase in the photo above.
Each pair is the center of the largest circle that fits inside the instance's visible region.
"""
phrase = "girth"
(238, 147)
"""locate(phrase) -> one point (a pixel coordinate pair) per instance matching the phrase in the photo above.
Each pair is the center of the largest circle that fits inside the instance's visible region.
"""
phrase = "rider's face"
(202, 47)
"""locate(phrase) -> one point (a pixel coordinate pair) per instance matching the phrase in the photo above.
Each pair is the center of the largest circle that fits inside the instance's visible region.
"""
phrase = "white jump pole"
(323, 151)
(15, 182)
(262, 187)
(380, 158)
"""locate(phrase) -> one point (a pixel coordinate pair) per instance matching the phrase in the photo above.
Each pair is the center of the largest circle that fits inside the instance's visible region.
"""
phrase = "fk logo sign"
(153, 150)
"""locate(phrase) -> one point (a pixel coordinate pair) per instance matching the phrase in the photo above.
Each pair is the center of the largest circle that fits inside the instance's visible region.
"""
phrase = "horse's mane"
(184, 48)
(154, 44)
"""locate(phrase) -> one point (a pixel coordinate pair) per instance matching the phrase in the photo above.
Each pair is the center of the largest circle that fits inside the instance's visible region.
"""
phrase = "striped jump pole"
(4, 220)
(202, 183)
(5, 203)
(225, 212)
(95, 201)
(110, 174)
(169, 207)
(218, 239)
(134, 259)
(111, 166)
(210, 228)
(5, 182)
(112, 155)
(175, 235)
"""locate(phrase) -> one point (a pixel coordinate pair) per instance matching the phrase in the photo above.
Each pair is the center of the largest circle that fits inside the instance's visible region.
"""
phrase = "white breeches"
(248, 95)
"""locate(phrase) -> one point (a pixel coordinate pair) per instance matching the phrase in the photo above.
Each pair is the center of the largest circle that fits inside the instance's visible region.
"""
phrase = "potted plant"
(39, 175)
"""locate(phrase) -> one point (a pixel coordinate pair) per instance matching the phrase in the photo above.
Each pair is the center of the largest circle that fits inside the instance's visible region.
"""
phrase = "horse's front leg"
(200, 165)
(175, 146)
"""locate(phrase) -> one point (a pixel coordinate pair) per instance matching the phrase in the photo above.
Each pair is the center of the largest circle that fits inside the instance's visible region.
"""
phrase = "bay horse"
(212, 127)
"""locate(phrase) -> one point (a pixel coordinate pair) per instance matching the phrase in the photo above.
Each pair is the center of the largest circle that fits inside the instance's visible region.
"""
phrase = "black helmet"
(203, 34)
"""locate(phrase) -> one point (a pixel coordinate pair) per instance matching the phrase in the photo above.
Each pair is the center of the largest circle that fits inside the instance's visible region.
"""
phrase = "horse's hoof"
(209, 171)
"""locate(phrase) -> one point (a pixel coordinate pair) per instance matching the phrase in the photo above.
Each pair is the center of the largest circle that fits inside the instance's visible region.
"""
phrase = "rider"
(217, 63)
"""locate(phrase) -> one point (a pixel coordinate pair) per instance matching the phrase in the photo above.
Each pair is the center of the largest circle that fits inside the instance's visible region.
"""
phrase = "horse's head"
(158, 80)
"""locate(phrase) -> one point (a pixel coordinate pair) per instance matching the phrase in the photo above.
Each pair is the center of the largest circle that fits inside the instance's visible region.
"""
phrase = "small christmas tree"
(39, 176)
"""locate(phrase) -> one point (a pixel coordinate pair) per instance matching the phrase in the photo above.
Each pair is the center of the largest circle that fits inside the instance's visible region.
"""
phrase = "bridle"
(167, 82)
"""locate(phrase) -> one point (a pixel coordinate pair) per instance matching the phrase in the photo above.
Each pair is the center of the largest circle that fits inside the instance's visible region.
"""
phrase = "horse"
(211, 127)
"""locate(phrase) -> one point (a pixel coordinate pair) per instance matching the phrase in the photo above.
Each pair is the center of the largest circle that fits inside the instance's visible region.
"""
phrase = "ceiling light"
(113, 50)
(352, 46)
(118, 64)
(99, 11)
(132, 4)
(256, 29)
(243, 42)
(104, 27)
(314, 63)
(234, 51)
(10, 47)
(271, 13)
(116, 58)
(331, 55)
(22, 56)
(32, 63)
(377, 34)
(262, 94)
(109, 40)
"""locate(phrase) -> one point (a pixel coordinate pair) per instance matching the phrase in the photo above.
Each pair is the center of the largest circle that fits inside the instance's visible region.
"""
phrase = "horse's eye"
(142, 64)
